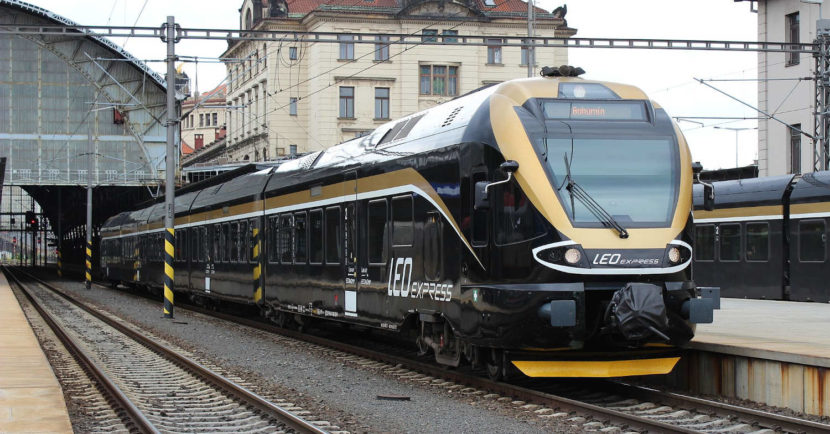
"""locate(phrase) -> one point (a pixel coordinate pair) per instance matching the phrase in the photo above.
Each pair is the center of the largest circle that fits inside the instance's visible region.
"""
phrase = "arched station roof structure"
(54, 89)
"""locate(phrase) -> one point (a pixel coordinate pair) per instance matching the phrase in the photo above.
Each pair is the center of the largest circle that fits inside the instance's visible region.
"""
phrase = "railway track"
(596, 404)
(157, 389)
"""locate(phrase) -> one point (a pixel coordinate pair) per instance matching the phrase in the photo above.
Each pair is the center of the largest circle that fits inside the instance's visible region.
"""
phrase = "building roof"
(216, 94)
(186, 149)
(303, 7)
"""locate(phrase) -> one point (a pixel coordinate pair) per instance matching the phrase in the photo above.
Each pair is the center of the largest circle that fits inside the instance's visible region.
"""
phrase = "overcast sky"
(666, 76)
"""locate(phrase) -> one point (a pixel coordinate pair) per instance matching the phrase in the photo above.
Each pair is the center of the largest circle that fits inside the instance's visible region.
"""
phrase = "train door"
(350, 246)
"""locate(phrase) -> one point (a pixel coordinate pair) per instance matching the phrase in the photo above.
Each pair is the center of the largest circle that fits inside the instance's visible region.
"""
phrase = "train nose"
(638, 312)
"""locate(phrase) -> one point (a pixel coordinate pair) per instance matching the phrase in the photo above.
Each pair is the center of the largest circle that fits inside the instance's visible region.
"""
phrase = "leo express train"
(540, 224)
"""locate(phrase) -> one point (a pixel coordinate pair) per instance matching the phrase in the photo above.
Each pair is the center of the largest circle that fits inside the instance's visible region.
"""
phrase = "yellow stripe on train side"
(596, 369)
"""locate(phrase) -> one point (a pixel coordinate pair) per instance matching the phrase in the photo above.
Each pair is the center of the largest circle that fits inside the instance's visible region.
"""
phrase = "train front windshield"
(633, 179)
(622, 154)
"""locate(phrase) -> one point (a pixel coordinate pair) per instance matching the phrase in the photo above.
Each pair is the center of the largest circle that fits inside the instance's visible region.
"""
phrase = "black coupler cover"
(640, 311)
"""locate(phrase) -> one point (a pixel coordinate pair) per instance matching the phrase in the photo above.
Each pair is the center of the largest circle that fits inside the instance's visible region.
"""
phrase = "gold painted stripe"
(597, 369)
(749, 211)
(809, 208)
(533, 179)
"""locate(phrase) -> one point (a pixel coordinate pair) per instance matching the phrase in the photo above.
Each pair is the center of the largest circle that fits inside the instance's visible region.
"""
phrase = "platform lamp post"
(736, 130)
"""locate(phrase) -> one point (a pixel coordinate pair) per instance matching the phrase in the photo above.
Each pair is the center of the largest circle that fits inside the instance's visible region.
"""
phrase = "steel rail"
(766, 419)
(290, 419)
(769, 420)
(137, 416)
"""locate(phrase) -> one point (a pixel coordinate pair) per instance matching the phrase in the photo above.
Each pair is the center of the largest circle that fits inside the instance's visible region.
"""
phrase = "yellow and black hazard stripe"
(60, 264)
(257, 277)
(169, 242)
(88, 271)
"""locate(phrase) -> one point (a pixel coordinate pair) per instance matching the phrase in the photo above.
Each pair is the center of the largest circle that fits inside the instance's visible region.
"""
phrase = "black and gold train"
(542, 224)
(767, 239)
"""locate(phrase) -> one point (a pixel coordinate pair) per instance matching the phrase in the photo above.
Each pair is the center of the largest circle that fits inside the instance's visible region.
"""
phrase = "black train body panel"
(395, 231)
(766, 239)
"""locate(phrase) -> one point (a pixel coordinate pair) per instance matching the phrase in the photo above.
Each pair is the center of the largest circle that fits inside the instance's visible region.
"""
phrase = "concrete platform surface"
(786, 331)
(31, 399)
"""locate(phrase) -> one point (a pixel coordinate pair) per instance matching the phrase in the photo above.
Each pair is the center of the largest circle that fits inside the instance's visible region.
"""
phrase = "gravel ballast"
(330, 388)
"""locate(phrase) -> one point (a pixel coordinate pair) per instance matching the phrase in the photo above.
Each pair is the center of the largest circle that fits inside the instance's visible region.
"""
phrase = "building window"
(346, 102)
(795, 148)
(439, 80)
(793, 37)
(382, 48)
(346, 47)
(381, 103)
(292, 106)
(198, 141)
(524, 54)
(292, 53)
(428, 35)
(201, 119)
(494, 51)
(450, 36)
(191, 121)
(215, 119)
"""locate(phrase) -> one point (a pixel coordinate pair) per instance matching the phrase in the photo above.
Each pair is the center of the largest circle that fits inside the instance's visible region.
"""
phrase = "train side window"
(515, 217)
(203, 244)
(300, 238)
(226, 242)
(478, 217)
(244, 241)
(315, 236)
(402, 233)
(757, 242)
(273, 227)
(285, 240)
(377, 231)
(333, 246)
(705, 243)
(433, 248)
(812, 241)
(730, 242)
(251, 240)
(217, 243)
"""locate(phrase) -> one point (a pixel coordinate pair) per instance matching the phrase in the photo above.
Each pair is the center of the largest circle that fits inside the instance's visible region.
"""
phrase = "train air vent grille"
(452, 116)
(400, 130)
(307, 161)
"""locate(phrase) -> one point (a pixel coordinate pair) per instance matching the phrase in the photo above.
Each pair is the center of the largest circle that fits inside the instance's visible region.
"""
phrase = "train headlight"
(674, 255)
(572, 256)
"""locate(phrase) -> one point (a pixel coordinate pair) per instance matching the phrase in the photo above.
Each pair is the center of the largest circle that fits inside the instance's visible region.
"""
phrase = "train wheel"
(495, 365)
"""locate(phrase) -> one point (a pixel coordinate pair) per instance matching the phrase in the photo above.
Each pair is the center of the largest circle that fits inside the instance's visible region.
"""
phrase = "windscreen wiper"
(576, 191)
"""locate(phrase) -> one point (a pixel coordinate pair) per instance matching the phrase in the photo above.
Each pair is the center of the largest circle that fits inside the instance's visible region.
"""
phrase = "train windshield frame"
(631, 168)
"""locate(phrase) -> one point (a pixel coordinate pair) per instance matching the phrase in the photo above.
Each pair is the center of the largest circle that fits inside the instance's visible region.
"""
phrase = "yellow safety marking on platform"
(596, 369)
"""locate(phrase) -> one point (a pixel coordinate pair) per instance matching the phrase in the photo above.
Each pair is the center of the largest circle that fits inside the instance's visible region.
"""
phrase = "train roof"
(755, 191)
(812, 187)
(243, 187)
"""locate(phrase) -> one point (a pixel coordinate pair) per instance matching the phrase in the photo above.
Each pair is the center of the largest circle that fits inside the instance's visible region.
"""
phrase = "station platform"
(771, 352)
(31, 399)
(784, 331)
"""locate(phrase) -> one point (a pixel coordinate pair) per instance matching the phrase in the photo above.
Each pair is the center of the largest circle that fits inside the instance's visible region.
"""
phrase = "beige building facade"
(782, 148)
(295, 95)
(203, 121)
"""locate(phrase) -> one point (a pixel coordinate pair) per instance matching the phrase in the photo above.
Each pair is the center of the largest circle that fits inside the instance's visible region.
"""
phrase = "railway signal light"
(31, 221)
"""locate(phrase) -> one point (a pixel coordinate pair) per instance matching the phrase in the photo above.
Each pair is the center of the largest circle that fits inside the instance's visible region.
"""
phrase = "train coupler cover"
(639, 311)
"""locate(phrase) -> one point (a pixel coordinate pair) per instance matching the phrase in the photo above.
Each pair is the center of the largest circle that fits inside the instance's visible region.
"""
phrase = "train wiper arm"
(576, 191)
